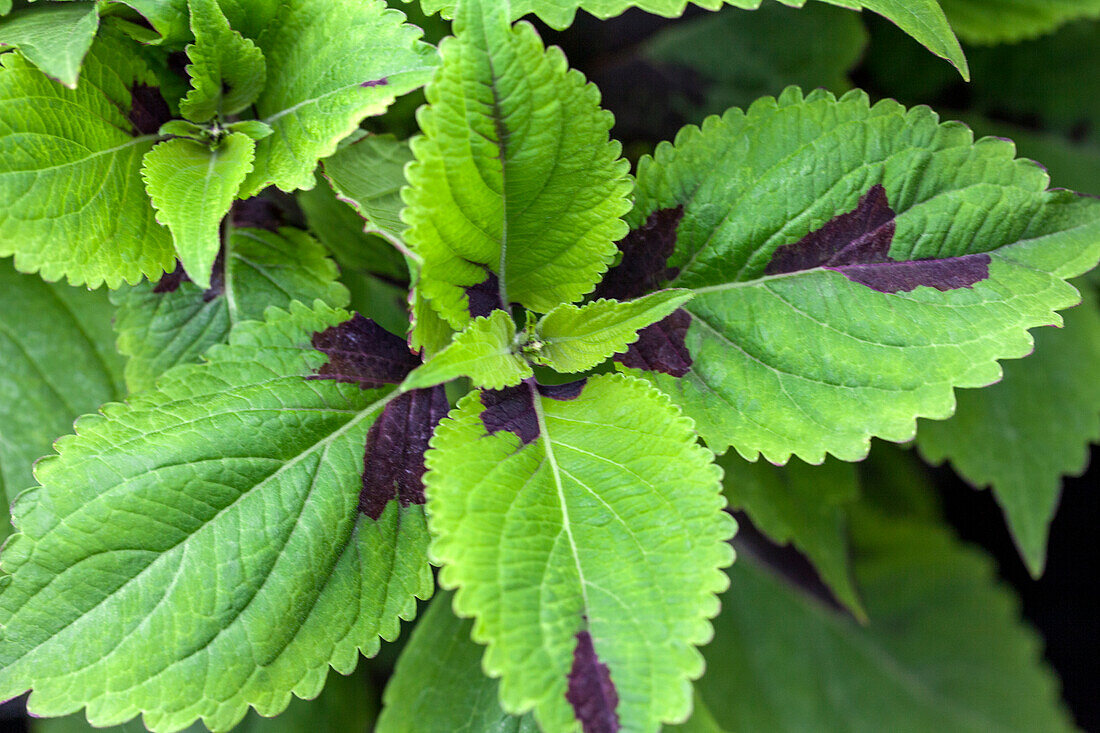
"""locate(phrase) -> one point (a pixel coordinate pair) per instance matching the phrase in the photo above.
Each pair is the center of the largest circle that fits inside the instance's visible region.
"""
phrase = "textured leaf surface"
(802, 505)
(438, 683)
(842, 304)
(554, 510)
(576, 338)
(227, 70)
(922, 19)
(175, 321)
(330, 63)
(486, 352)
(515, 177)
(56, 363)
(53, 37)
(944, 648)
(192, 187)
(1022, 435)
(199, 549)
(1006, 21)
(74, 204)
(369, 175)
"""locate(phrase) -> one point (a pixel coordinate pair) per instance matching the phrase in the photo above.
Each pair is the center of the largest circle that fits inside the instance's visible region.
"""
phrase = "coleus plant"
(270, 476)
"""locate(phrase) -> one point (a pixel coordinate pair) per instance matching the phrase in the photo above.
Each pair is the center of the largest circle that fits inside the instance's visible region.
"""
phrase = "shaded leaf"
(369, 175)
(1008, 21)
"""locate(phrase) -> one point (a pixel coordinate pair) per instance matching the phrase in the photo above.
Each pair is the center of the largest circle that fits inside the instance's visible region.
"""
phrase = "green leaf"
(805, 506)
(56, 362)
(789, 354)
(944, 649)
(369, 175)
(1023, 435)
(438, 684)
(70, 164)
(162, 325)
(555, 512)
(54, 38)
(922, 19)
(192, 187)
(227, 70)
(577, 338)
(245, 465)
(515, 176)
(168, 18)
(253, 128)
(486, 352)
(1008, 21)
(330, 63)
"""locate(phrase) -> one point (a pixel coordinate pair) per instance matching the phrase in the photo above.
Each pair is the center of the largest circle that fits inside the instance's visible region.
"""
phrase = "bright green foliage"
(944, 649)
(810, 362)
(1023, 435)
(613, 494)
(438, 684)
(922, 19)
(514, 174)
(330, 63)
(1006, 21)
(227, 70)
(576, 338)
(192, 187)
(58, 363)
(234, 554)
(486, 352)
(802, 505)
(159, 330)
(54, 38)
(74, 204)
(369, 175)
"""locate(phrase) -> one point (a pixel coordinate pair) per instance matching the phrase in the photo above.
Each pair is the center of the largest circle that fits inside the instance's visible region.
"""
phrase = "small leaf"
(227, 70)
(515, 177)
(585, 494)
(486, 352)
(246, 465)
(438, 684)
(253, 128)
(54, 38)
(330, 63)
(577, 338)
(183, 128)
(192, 187)
(175, 321)
(74, 204)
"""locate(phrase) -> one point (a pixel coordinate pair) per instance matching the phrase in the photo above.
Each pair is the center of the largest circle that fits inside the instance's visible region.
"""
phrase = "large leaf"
(56, 363)
(192, 185)
(330, 63)
(438, 684)
(74, 204)
(227, 70)
(1023, 435)
(219, 541)
(922, 19)
(584, 529)
(175, 321)
(53, 37)
(851, 264)
(1007, 21)
(944, 649)
(516, 186)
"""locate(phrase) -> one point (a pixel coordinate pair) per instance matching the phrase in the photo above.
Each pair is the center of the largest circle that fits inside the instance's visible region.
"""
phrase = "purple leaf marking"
(511, 409)
(591, 691)
(171, 282)
(563, 392)
(484, 298)
(148, 110)
(645, 251)
(376, 82)
(857, 245)
(362, 352)
(257, 213)
(393, 462)
(660, 346)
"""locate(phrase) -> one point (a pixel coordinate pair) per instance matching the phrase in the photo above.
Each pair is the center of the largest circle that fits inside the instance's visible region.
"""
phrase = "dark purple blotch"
(511, 409)
(563, 392)
(484, 298)
(660, 346)
(148, 110)
(857, 245)
(645, 252)
(257, 213)
(393, 463)
(591, 691)
(376, 82)
(362, 352)
(171, 282)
